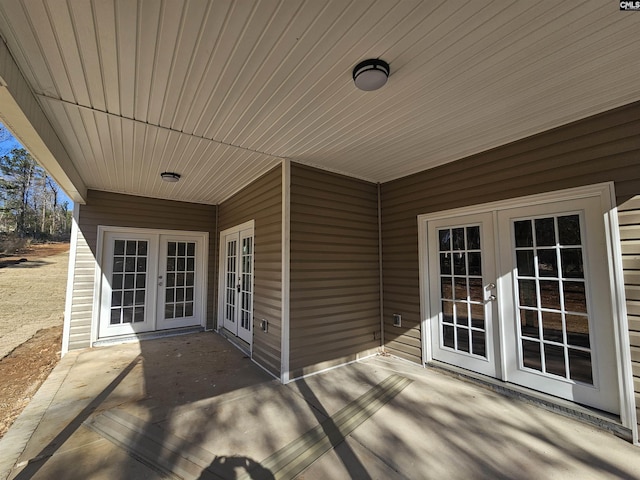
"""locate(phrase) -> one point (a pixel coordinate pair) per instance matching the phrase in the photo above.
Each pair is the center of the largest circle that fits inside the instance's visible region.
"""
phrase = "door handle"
(492, 298)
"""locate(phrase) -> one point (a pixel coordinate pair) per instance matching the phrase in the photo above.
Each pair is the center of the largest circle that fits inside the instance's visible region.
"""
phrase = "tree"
(29, 203)
(17, 170)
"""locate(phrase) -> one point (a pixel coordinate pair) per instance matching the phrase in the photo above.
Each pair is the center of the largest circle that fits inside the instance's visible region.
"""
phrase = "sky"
(8, 142)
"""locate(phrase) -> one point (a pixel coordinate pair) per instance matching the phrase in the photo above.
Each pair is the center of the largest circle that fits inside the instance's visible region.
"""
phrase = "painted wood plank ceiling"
(220, 91)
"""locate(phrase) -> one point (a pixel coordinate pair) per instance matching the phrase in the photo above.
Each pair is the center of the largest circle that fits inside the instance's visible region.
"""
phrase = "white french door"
(151, 281)
(236, 286)
(462, 284)
(523, 294)
(180, 278)
(129, 267)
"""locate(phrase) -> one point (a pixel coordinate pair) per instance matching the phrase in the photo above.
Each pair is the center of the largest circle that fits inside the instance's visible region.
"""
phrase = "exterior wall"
(334, 270)
(601, 148)
(629, 220)
(113, 209)
(262, 202)
(604, 147)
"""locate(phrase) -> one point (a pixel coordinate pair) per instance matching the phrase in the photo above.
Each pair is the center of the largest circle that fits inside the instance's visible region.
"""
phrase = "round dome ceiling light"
(371, 74)
(170, 177)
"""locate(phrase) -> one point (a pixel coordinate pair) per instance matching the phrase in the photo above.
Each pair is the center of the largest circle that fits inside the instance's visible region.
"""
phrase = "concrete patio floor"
(194, 406)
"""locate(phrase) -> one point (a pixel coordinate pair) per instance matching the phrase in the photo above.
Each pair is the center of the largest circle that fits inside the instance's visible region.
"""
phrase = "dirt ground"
(32, 293)
(33, 252)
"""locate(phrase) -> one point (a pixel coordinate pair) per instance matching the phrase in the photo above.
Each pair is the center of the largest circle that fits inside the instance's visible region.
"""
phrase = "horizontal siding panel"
(319, 317)
(635, 356)
(359, 217)
(339, 360)
(338, 223)
(332, 337)
(630, 206)
(404, 351)
(331, 350)
(345, 207)
(337, 292)
(366, 258)
(631, 277)
(335, 284)
(348, 302)
(343, 186)
(633, 307)
(305, 228)
(315, 195)
(634, 323)
(321, 249)
(357, 320)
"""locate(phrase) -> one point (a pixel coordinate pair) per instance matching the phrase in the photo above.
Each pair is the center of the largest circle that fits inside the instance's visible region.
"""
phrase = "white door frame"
(99, 276)
(606, 194)
(249, 225)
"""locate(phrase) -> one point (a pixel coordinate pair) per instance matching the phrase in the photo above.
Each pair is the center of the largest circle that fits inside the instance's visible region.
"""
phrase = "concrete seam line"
(293, 458)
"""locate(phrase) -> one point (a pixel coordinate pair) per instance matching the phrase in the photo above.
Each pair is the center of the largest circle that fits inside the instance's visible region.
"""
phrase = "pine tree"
(29, 203)
(17, 172)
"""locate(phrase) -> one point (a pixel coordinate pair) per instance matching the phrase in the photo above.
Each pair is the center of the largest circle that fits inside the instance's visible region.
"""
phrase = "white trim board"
(286, 270)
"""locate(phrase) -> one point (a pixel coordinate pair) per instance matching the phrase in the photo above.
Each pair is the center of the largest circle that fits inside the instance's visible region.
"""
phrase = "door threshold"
(598, 418)
(138, 337)
(236, 341)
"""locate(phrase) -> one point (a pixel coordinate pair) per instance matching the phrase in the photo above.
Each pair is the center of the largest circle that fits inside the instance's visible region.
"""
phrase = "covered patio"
(162, 409)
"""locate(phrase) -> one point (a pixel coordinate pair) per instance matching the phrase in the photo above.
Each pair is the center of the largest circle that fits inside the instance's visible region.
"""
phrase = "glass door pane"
(231, 283)
(552, 297)
(463, 325)
(180, 286)
(129, 282)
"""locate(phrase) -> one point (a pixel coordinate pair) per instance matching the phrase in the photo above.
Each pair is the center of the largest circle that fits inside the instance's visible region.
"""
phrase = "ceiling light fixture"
(171, 177)
(371, 74)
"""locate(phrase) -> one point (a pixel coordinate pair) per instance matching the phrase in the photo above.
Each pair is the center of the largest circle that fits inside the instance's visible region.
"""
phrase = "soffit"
(221, 91)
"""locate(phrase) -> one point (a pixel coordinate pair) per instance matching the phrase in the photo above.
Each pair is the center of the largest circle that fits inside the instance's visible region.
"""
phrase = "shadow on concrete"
(346, 455)
(205, 411)
(36, 463)
(234, 467)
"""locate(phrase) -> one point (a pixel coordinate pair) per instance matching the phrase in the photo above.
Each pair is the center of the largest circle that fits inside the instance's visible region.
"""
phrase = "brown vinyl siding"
(82, 295)
(112, 209)
(601, 148)
(334, 270)
(261, 201)
(629, 220)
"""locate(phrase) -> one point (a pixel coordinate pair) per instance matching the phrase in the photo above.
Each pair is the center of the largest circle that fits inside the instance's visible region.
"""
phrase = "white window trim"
(606, 193)
(98, 277)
